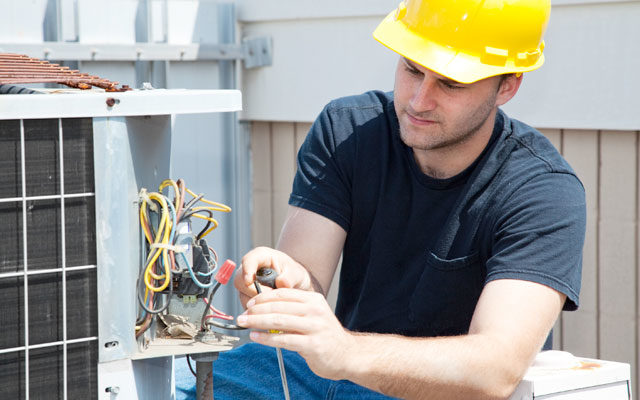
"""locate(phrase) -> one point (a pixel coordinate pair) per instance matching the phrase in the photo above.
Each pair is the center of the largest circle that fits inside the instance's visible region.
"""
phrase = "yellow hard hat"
(468, 40)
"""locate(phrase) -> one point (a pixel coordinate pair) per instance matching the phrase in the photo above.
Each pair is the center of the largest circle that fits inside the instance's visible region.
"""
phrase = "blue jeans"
(251, 372)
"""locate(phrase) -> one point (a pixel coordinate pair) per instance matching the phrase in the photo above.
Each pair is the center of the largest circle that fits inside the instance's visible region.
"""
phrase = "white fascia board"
(275, 10)
(278, 10)
(94, 103)
(585, 2)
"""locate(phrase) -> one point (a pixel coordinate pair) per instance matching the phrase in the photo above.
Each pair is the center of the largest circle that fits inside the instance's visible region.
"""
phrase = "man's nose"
(424, 95)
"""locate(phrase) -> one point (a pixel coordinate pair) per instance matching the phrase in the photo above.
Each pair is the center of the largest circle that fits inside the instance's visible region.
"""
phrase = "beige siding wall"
(274, 146)
(607, 162)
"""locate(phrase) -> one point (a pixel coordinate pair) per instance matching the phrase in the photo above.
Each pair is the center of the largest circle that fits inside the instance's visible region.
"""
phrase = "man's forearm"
(460, 367)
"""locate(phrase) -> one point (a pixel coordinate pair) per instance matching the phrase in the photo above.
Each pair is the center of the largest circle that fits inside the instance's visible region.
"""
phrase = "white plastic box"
(561, 376)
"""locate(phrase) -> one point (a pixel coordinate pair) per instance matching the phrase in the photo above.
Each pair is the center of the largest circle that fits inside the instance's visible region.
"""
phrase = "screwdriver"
(267, 277)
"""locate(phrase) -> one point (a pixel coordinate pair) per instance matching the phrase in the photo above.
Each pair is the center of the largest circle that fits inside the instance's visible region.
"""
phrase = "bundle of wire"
(159, 218)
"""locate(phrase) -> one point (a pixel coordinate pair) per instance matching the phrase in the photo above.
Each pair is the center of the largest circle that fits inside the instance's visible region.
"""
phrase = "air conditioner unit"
(71, 167)
(558, 375)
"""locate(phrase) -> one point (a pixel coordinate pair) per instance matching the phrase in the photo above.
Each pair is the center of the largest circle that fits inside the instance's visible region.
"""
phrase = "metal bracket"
(257, 52)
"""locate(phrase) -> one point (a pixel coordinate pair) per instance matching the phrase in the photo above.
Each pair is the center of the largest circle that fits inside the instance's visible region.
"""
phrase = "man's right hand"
(291, 274)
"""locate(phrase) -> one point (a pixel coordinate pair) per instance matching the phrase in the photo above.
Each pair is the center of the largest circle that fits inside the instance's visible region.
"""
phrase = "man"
(461, 229)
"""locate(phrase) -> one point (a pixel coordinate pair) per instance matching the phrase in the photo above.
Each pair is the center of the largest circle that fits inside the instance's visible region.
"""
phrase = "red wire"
(225, 317)
(216, 313)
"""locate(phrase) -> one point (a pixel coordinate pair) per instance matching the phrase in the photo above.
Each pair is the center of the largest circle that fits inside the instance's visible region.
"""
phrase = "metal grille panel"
(48, 304)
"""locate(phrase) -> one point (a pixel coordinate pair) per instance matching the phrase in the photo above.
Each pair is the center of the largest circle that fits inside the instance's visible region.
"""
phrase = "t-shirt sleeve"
(322, 181)
(539, 235)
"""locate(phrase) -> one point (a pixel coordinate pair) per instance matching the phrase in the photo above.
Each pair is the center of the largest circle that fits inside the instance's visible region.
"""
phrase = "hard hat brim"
(446, 61)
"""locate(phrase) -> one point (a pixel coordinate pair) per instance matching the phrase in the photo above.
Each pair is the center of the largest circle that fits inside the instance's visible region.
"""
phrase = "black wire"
(216, 323)
(206, 309)
(11, 89)
(190, 204)
(190, 367)
(226, 326)
(187, 215)
(140, 321)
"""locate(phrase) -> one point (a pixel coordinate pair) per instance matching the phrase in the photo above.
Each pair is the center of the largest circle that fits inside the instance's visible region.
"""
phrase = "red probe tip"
(225, 272)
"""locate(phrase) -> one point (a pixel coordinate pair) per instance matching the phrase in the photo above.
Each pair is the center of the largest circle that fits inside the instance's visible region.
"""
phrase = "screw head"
(113, 389)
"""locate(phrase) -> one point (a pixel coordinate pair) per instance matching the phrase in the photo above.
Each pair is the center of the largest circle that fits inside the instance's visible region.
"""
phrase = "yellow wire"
(212, 220)
(143, 219)
(163, 220)
(176, 191)
(162, 236)
(164, 232)
(217, 206)
(205, 208)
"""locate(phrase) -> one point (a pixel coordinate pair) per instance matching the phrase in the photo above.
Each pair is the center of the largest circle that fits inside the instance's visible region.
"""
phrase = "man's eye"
(413, 71)
(450, 85)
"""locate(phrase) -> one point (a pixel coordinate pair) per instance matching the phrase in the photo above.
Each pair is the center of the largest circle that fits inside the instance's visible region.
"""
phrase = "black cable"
(190, 204)
(190, 367)
(216, 323)
(187, 215)
(199, 236)
(226, 326)
(206, 309)
(140, 321)
(11, 89)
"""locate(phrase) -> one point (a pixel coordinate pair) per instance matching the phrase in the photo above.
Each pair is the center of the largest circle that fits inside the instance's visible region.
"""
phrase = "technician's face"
(437, 112)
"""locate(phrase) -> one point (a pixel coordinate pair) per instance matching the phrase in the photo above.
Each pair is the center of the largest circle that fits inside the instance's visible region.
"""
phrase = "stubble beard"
(449, 134)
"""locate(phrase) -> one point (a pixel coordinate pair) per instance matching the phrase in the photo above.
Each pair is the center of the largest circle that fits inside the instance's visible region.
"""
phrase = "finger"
(278, 322)
(290, 308)
(282, 281)
(255, 259)
(244, 299)
(290, 295)
(244, 292)
(289, 341)
(238, 283)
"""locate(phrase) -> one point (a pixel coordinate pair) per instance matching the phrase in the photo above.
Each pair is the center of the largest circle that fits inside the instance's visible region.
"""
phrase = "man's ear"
(509, 86)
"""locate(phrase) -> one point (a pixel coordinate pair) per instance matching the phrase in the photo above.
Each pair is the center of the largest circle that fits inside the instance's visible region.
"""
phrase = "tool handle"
(267, 276)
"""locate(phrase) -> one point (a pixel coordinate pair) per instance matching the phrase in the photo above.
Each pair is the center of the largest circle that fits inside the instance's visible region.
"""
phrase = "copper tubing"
(17, 68)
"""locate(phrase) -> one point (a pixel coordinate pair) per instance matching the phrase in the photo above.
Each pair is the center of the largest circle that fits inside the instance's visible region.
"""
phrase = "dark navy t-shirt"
(419, 250)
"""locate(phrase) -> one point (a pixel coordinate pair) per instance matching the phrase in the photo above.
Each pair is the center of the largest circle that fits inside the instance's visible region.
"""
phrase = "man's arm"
(509, 326)
(315, 242)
